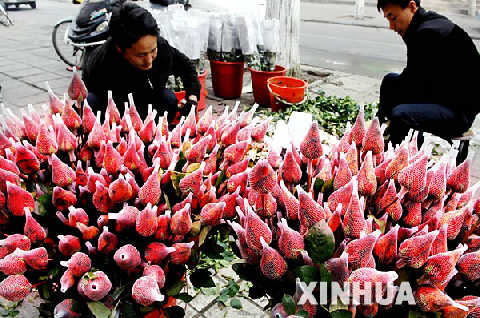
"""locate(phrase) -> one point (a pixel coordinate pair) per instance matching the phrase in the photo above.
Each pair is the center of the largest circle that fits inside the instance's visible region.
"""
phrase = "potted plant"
(226, 57)
(262, 64)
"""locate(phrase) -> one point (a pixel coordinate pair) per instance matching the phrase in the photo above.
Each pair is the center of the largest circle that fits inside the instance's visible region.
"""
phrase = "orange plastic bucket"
(259, 83)
(276, 104)
(227, 79)
(203, 91)
(290, 89)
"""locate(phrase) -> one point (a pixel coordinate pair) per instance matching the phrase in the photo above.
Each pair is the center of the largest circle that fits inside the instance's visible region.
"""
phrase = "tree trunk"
(472, 10)
(359, 9)
(288, 13)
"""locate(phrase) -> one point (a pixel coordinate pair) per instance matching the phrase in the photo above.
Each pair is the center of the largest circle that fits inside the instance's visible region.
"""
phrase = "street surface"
(354, 49)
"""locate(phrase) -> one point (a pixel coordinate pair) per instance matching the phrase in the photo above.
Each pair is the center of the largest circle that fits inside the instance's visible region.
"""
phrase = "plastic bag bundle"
(215, 33)
(202, 21)
(271, 35)
(192, 50)
(230, 40)
(257, 22)
(180, 31)
(247, 34)
(164, 24)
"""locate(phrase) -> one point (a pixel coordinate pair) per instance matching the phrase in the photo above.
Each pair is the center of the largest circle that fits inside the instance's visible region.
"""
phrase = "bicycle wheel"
(4, 19)
(71, 55)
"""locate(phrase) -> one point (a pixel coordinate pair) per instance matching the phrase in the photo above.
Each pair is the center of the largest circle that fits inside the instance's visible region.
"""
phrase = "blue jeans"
(397, 105)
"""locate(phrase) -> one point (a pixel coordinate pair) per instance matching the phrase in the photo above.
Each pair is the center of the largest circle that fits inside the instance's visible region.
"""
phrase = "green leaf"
(181, 162)
(381, 224)
(302, 313)
(289, 304)
(202, 278)
(176, 288)
(307, 273)
(342, 313)
(44, 203)
(324, 274)
(192, 167)
(320, 242)
(176, 177)
(338, 306)
(117, 292)
(210, 291)
(51, 274)
(44, 292)
(235, 303)
(415, 314)
(127, 309)
(203, 235)
(146, 309)
(220, 179)
(222, 299)
(317, 186)
(196, 227)
(184, 297)
(327, 186)
(231, 289)
(99, 310)
(90, 275)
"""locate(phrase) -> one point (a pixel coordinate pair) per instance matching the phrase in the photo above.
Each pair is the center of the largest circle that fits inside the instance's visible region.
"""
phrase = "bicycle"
(4, 18)
(73, 37)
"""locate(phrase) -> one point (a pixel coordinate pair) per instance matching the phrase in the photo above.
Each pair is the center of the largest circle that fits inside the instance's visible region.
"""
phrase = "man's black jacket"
(443, 64)
(105, 69)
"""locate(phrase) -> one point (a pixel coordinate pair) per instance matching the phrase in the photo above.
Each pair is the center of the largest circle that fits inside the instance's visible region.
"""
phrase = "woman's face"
(142, 53)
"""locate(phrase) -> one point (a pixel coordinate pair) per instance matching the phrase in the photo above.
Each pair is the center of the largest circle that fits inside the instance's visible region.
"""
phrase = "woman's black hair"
(130, 22)
(402, 3)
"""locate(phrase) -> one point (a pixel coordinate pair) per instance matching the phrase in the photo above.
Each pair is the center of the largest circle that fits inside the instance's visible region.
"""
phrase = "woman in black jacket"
(136, 59)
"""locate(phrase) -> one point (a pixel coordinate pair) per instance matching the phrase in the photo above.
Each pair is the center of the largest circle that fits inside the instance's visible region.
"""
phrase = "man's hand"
(187, 106)
(382, 116)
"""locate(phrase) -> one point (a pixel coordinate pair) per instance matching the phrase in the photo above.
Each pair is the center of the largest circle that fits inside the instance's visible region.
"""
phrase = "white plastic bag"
(215, 33)
(271, 35)
(229, 34)
(247, 34)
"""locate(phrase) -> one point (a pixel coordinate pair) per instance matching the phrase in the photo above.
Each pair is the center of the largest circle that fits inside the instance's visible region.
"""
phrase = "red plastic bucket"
(180, 95)
(227, 79)
(259, 83)
(203, 91)
(290, 89)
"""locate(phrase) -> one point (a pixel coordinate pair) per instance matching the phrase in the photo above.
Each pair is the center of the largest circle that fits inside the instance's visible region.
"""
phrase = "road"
(358, 50)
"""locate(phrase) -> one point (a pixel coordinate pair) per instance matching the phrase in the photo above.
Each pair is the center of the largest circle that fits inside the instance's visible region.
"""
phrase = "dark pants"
(166, 98)
(398, 106)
